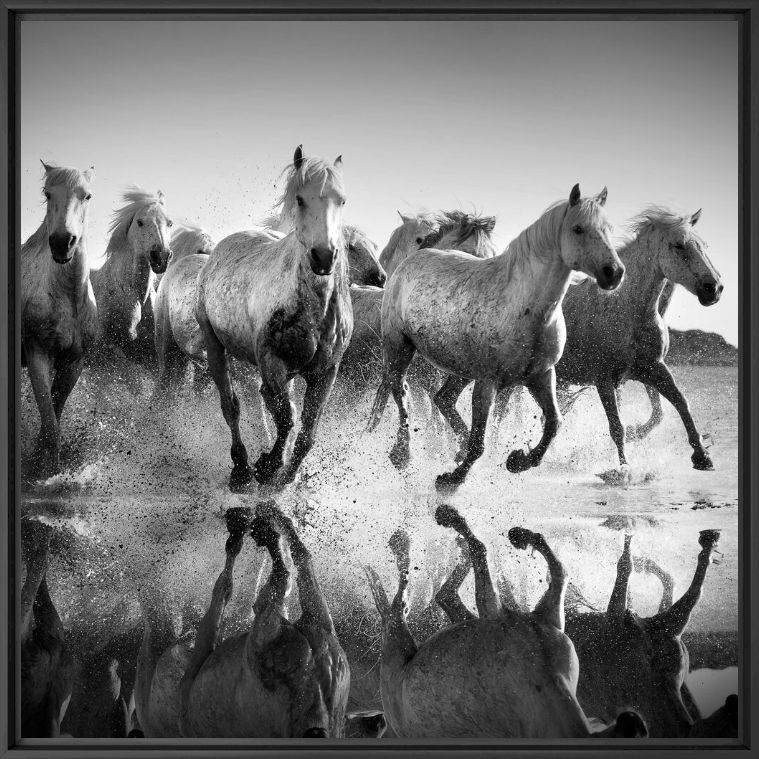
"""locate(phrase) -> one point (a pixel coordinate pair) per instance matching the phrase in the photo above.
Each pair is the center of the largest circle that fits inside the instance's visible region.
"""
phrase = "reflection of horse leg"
(608, 395)
(230, 405)
(37, 537)
(620, 594)
(275, 390)
(550, 608)
(659, 377)
(318, 389)
(207, 635)
(312, 602)
(445, 400)
(639, 431)
(47, 453)
(482, 400)
(649, 566)
(448, 598)
(543, 390)
(488, 604)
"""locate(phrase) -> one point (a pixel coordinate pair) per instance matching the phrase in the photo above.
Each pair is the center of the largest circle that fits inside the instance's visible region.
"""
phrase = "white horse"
(58, 312)
(138, 250)
(283, 306)
(497, 321)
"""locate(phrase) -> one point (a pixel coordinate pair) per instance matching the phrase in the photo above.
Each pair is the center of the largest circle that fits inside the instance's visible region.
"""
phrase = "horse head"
(681, 254)
(586, 243)
(314, 197)
(363, 261)
(67, 194)
(148, 233)
(406, 239)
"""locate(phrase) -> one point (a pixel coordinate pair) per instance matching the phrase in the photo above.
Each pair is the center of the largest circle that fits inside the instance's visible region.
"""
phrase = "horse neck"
(533, 263)
(644, 281)
(71, 278)
(130, 271)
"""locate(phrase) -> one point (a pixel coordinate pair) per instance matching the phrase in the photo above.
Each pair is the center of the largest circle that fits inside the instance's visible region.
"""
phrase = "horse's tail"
(380, 401)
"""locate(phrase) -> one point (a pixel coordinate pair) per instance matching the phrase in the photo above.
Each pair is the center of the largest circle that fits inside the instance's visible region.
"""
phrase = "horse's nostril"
(72, 241)
(710, 288)
(315, 732)
(608, 271)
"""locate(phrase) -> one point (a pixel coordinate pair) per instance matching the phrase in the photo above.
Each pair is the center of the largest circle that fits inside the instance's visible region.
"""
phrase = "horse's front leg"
(47, 450)
(482, 400)
(318, 389)
(543, 390)
(448, 598)
(610, 400)
(207, 636)
(659, 377)
(445, 400)
(275, 390)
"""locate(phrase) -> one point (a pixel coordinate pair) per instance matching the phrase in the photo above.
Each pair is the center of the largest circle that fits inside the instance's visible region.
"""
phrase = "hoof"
(521, 538)
(518, 461)
(238, 519)
(266, 467)
(448, 516)
(239, 479)
(702, 461)
(400, 456)
(449, 481)
(400, 544)
(708, 538)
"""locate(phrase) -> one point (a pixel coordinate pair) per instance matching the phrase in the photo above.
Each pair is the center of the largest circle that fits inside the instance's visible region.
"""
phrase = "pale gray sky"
(501, 116)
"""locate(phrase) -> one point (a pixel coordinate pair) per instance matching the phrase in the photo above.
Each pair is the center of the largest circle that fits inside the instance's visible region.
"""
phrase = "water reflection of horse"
(497, 321)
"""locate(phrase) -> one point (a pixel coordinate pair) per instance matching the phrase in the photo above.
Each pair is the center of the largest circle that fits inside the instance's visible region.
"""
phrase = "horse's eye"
(47, 194)
(88, 197)
(419, 240)
(577, 229)
(139, 222)
(169, 223)
(352, 248)
(343, 203)
(680, 248)
(301, 204)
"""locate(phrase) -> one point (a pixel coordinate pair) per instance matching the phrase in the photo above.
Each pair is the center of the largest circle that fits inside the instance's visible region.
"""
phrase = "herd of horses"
(308, 296)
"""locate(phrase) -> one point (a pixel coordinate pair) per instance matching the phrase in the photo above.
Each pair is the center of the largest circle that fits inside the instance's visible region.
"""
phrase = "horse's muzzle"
(322, 261)
(709, 293)
(159, 260)
(62, 246)
(610, 276)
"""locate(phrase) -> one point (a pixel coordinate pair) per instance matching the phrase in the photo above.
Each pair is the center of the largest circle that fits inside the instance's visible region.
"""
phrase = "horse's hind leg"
(608, 395)
(218, 365)
(318, 389)
(312, 602)
(649, 566)
(543, 390)
(482, 400)
(619, 600)
(659, 377)
(207, 636)
(639, 431)
(445, 400)
(550, 608)
(447, 597)
(47, 453)
(488, 604)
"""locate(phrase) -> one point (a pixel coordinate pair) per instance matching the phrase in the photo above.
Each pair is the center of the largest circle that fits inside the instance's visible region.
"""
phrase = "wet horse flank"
(138, 250)
(281, 679)
(47, 669)
(614, 337)
(58, 312)
(506, 674)
(283, 306)
(497, 321)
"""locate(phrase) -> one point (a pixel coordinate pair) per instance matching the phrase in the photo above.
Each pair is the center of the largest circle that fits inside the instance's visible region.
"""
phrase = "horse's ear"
(489, 223)
(339, 162)
(46, 166)
(298, 157)
(574, 196)
(89, 174)
(160, 197)
(404, 218)
(601, 197)
(696, 216)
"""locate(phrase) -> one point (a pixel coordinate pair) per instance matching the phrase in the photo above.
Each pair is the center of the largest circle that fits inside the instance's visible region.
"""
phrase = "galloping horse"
(615, 337)
(178, 338)
(283, 306)
(138, 249)
(497, 321)
(58, 312)
(505, 674)
(281, 679)
(47, 669)
(362, 360)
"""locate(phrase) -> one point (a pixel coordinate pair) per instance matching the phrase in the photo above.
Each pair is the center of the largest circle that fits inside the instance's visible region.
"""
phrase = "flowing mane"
(311, 169)
(189, 239)
(62, 175)
(392, 243)
(651, 218)
(135, 198)
(465, 226)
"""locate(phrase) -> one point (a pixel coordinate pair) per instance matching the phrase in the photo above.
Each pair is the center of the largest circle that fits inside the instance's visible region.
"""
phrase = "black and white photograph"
(378, 379)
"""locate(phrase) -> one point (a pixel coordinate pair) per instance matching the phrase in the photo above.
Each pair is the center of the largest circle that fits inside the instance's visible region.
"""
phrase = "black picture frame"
(747, 14)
